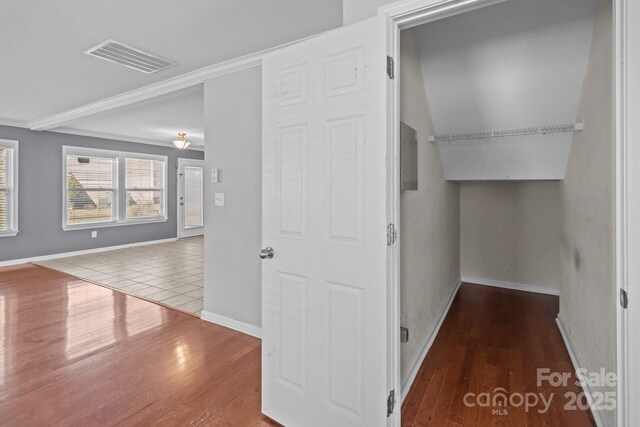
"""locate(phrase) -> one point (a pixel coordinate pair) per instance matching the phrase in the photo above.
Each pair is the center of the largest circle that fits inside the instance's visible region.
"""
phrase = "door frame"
(402, 15)
(180, 211)
(410, 13)
(627, 199)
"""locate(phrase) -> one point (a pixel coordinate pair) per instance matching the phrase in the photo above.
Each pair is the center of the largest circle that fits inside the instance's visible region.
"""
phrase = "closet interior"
(507, 172)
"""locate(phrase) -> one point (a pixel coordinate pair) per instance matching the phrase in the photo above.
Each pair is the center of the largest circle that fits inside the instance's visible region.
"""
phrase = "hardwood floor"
(75, 353)
(493, 338)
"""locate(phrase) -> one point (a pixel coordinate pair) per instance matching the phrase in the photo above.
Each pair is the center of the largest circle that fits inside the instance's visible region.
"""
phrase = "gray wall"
(510, 231)
(233, 233)
(587, 290)
(430, 221)
(40, 197)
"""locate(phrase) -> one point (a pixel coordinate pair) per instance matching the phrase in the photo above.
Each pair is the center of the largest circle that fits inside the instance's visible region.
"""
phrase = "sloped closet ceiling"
(517, 64)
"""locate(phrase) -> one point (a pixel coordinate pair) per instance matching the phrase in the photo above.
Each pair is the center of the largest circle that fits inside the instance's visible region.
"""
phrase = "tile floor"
(171, 273)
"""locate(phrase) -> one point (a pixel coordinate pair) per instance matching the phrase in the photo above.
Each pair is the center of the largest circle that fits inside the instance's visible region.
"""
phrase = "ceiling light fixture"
(181, 143)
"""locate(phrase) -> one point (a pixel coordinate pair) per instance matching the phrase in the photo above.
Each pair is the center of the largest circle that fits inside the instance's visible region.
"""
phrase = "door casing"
(403, 15)
(410, 13)
(627, 200)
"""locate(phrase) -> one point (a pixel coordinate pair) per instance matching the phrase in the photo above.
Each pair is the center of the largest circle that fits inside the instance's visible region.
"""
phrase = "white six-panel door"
(190, 198)
(324, 312)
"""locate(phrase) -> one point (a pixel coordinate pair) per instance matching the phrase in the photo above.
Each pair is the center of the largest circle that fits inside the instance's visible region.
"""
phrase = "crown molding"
(411, 13)
(14, 123)
(172, 84)
(122, 138)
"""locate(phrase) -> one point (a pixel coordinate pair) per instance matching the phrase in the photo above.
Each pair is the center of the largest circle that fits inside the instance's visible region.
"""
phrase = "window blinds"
(8, 188)
(4, 188)
(90, 189)
(104, 187)
(193, 201)
(144, 184)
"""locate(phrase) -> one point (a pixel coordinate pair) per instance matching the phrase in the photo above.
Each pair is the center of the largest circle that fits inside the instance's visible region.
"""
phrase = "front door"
(190, 198)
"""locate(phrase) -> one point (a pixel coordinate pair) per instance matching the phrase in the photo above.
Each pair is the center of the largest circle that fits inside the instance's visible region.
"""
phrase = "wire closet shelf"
(485, 134)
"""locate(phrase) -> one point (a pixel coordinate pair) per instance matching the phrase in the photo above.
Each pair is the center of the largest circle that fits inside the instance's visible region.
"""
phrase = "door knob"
(266, 253)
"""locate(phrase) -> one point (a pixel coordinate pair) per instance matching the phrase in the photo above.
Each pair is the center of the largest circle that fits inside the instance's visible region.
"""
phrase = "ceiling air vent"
(131, 57)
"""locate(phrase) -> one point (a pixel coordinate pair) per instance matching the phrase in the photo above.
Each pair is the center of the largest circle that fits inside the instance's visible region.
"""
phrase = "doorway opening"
(507, 180)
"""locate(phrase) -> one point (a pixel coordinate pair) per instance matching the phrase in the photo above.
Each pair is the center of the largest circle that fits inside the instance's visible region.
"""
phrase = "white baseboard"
(408, 382)
(510, 285)
(575, 360)
(230, 323)
(83, 252)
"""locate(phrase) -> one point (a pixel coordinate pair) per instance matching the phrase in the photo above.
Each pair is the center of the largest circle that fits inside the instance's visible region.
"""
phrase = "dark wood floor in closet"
(493, 338)
(77, 354)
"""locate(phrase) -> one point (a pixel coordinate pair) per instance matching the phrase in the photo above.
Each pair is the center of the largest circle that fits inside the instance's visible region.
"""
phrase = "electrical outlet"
(94, 234)
(218, 199)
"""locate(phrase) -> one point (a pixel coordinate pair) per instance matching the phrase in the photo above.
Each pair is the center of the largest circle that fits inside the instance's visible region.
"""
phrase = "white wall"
(587, 292)
(510, 232)
(429, 219)
(531, 157)
(516, 64)
(357, 10)
(233, 233)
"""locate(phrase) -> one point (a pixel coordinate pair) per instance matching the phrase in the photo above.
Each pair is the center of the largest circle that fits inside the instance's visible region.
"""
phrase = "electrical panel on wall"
(408, 158)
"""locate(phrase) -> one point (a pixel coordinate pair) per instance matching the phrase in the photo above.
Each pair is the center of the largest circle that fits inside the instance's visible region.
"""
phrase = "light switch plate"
(215, 176)
(94, 234)
(218, 199)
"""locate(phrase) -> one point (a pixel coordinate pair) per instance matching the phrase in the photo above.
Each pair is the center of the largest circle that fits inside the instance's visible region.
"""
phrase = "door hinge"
(390, 67)
(624, 299)
(392, 234)
(391, 402)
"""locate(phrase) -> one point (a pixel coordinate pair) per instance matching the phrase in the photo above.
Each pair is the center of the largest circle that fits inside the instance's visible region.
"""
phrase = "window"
(91, 185)
(144, 183)
(8, 188)
(105, 188)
